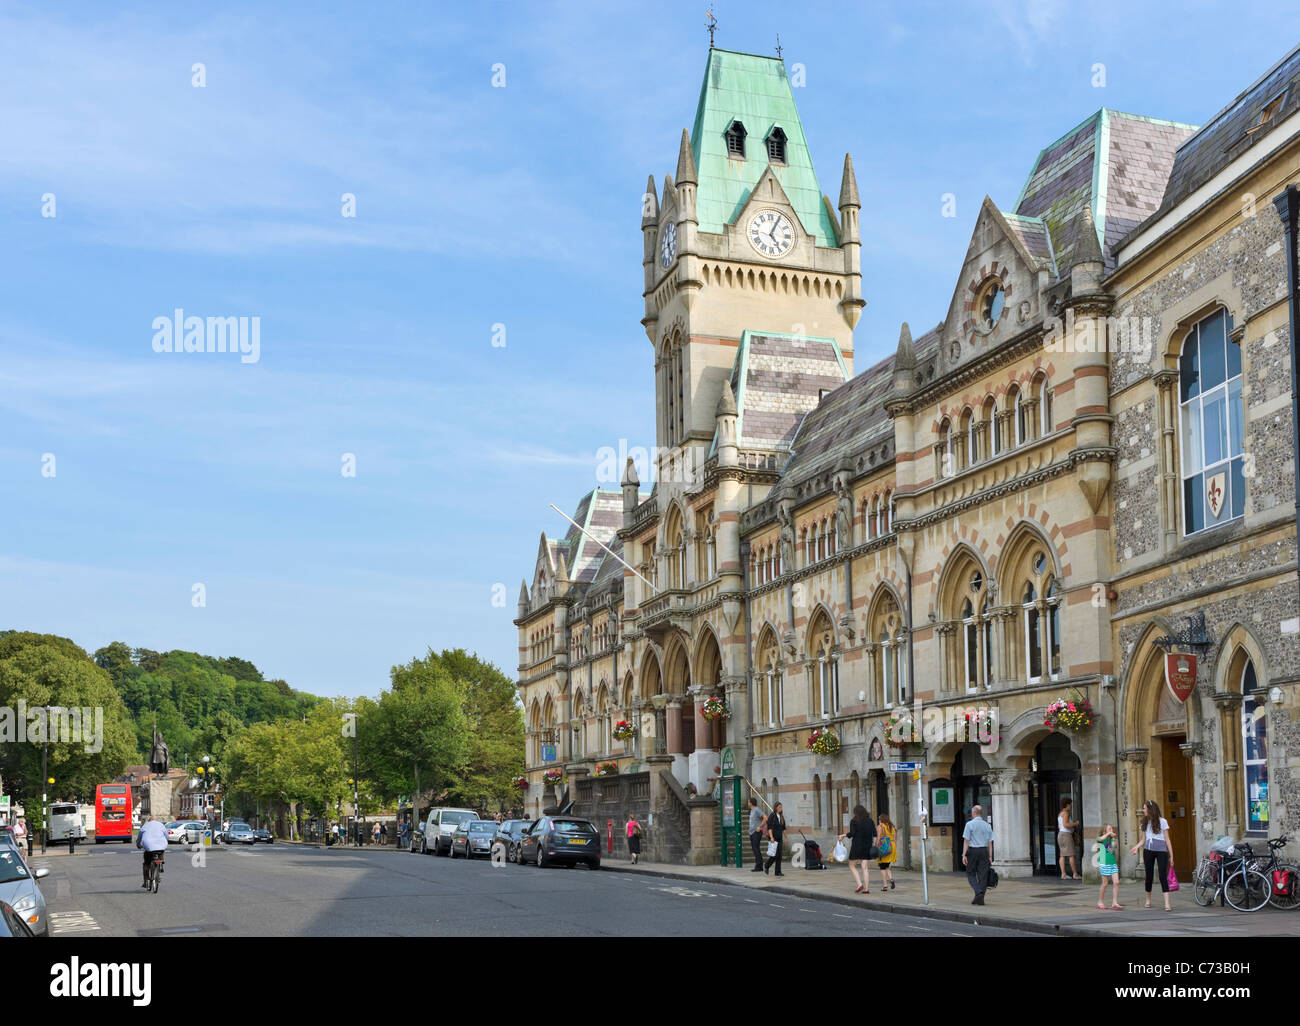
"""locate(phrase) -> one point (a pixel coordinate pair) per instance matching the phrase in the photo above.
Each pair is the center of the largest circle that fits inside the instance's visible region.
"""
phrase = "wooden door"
(1176, 802)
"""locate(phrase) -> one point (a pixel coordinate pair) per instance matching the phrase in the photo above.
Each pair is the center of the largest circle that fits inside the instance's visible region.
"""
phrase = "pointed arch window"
(735, 136)
(771, 710)
(825, 671)
(1254, 748)
(1211, 421)
(776, 146)
(873, 517)
(993, 425)
(1021, 417)
(888, 513)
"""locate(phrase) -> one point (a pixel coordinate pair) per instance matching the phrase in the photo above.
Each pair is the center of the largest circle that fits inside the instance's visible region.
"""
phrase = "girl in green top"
(1108, 865)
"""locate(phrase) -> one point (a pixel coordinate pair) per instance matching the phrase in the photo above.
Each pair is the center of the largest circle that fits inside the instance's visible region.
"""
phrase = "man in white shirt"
(977, 853)
(153, 839)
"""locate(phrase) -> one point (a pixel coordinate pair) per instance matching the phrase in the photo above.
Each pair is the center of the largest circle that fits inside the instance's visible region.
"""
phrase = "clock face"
(668, 247)
(771, 233)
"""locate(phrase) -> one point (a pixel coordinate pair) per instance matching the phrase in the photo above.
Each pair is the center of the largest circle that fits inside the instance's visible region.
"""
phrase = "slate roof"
(1226, 136)
(756, 91)
(777, 379)
(1116, 163)
(600, 511)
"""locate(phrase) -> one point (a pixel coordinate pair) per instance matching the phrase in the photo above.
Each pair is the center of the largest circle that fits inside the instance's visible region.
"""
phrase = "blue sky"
(475, 206)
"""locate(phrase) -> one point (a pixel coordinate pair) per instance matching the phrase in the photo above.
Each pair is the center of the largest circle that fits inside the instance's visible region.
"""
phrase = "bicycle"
(1228, 876)
(155, 872)
(1283, 876)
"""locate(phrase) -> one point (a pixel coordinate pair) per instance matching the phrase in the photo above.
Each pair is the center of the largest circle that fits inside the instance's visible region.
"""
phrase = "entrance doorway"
(971, 789)
(1176, 803)
(880, 787)
(688, 726)
(1056, 776)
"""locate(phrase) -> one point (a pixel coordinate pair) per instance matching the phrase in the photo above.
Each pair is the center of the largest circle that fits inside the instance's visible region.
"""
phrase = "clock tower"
(741, 244)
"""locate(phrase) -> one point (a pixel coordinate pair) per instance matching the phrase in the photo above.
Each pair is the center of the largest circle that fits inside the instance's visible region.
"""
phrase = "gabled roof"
(600, 512)
(755, 91)
(777, 379)
(1115, 163)
(1229, 133)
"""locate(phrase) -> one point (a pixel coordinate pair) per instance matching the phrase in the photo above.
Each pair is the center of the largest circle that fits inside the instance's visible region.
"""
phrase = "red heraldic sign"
(1180, 674)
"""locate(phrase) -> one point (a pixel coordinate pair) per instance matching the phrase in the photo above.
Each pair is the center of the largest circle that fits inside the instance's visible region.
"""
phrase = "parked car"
(263, 835)
(508, 834)
(434, 835)
(65, 823)
(18, 889)
(473, 837)
(240, 833)
(561, 840)
(11, 923)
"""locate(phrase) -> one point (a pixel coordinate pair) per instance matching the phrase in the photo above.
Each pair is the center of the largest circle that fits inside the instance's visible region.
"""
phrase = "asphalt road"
(288, 891)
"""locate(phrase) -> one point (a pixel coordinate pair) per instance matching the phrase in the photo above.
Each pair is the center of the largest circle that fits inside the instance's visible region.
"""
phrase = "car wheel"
(542, 861)
(594, 864)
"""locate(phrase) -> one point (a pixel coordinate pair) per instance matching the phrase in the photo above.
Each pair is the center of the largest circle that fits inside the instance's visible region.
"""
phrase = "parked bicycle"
(1283, 876)
(1227, 874)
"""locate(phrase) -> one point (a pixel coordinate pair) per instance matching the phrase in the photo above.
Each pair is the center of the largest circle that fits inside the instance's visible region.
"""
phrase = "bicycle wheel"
(1287, 901)
(1205, 884)
(1247, 890)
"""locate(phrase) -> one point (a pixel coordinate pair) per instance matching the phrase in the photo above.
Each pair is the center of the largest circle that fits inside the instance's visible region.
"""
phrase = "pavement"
(1044, 905)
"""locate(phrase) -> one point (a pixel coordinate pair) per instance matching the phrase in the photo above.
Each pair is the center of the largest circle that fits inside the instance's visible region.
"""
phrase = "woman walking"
(633, 838)
(862, 836)
(887, 851)
(1065, 839)
(1157, 852)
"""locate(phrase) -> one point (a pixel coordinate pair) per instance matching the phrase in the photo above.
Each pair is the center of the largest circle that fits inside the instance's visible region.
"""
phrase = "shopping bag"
(1173, 880)
(772, 847)
(840, 854)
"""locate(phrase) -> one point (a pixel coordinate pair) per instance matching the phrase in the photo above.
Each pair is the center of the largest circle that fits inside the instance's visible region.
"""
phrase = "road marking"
(775, 905)
(753, 902)
(925, 928)
(813, 910)
(72, 922)
(685, 892)
(840, 915)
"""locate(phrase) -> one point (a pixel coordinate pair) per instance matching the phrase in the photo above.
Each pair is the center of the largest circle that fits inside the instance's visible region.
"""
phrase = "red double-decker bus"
(112, 813)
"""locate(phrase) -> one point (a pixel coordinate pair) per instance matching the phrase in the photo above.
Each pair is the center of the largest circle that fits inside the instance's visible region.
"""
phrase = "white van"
(65, 823)
(435, 834)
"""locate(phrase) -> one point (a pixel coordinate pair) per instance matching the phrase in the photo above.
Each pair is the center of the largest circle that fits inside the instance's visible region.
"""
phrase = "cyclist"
(153, 839)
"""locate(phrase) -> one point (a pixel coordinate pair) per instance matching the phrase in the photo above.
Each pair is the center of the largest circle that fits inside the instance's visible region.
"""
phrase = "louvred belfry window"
(776, 146)
(736, 140)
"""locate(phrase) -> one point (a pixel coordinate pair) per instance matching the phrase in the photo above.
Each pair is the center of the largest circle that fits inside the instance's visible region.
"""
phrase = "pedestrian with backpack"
(862, 848)
(886, 851)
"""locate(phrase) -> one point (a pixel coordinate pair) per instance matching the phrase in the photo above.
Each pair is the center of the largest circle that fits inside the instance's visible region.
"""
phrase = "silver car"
(18, 889)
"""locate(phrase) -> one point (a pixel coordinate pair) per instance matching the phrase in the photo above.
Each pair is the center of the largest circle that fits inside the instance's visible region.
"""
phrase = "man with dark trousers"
(977, 853)
(776, 831)
(756, 833)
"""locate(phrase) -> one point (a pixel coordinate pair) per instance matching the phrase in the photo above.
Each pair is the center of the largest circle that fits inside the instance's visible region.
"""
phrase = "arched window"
(970, 636)
(675, 539)
(993, 426)
(947, 465)
(890, 670)
(963, 602)
(870, 512)
(1254, 748)
(771, 704)
(1020, 417)
(824, 667)
(1053, 627)
(809, 547)
(1044, 396)
(1211, 417)
(1033, 633)
(887, 511)
(966, 441)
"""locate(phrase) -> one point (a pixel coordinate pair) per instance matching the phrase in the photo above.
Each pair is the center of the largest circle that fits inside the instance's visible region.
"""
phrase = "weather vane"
(713, 24)
(778, 46)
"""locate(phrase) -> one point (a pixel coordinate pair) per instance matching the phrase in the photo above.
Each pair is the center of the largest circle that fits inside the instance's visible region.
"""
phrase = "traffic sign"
(903, 767)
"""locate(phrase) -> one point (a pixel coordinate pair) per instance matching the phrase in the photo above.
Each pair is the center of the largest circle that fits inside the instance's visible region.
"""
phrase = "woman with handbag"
(1157, 852)
(861, 835)
(886, 850)
(775, 834)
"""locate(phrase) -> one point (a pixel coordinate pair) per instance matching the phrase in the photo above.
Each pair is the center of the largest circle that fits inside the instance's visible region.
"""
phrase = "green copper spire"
(756, 92)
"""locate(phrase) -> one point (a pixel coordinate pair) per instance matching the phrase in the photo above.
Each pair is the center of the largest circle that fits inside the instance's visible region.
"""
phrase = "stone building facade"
(922, 558)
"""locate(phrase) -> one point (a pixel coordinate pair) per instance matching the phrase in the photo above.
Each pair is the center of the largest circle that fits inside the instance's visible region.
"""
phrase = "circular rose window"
(992, 302)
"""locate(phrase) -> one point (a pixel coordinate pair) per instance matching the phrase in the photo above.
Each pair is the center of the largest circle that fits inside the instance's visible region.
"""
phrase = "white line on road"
(753, 902)
(73, 922)
(840, 915)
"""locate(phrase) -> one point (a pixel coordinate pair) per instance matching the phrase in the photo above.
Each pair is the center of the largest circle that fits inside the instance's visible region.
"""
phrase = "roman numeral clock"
(771, 233)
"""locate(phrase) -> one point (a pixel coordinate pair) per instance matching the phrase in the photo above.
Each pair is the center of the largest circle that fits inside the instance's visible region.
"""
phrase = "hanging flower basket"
(715, 709)
(607, 769)
(981, 727)
(520, 783)
(553, 776)
(899, 730)
(823, 741)
(1073, 714)
(624, 731)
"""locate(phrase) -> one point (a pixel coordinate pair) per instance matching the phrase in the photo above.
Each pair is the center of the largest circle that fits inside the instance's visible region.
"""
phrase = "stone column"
(673, 733)
(1011, 851)
(1229, 705)
(1167, 417)
(1133, 763)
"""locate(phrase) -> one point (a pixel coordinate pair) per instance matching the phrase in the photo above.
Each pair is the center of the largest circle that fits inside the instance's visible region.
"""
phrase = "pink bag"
(1173, 880)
